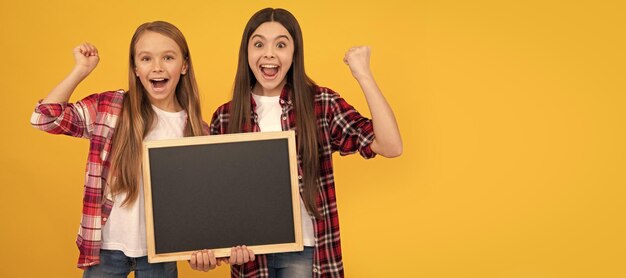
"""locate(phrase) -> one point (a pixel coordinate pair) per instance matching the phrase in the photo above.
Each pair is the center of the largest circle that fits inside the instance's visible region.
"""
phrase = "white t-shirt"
(126, 228)
(269, 112)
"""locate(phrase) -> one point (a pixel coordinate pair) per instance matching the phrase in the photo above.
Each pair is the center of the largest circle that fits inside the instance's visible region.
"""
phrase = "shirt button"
(299, 177)
(315, 270)
(282, 101)
(104, 219)
(284, 117)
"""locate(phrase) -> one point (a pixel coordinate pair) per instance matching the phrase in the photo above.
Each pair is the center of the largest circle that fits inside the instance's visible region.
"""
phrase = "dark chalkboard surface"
(216, 192)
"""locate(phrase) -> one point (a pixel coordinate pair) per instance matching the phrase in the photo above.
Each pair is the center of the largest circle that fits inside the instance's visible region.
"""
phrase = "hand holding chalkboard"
(204, 260)
(240, 255)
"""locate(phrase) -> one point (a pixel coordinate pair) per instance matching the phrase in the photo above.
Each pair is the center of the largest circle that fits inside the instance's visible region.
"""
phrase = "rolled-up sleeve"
(350, 131)
(73, 119)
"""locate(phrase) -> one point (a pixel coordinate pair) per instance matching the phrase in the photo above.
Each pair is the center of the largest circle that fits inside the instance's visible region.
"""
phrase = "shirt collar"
(285, 97)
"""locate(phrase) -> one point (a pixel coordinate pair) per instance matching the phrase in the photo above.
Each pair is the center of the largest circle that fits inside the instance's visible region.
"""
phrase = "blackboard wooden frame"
(179, 177)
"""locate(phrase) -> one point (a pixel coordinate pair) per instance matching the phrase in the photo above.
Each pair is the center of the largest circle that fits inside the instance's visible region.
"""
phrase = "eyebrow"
(261, 36)
(164, 52)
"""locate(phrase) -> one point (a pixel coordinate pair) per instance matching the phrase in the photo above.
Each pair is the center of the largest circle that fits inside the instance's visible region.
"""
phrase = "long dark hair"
(302, 93)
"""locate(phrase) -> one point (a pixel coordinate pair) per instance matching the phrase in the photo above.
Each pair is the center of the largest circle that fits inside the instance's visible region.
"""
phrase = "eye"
(168, 58)
(281, 45)
(258, 44)
(144, 59)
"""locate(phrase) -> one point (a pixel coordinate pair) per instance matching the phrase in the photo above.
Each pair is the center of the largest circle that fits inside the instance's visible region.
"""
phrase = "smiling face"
(159, 64)
(270, 53)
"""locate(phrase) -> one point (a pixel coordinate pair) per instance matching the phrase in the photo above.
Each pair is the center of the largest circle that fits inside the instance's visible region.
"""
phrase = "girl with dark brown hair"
(272, 92)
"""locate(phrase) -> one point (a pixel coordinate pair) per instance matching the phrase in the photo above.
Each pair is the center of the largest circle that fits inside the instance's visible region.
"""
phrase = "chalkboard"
(216, 192)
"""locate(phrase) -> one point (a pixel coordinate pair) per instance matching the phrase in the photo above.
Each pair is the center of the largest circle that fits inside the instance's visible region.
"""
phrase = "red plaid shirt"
(342, 129)
(93, 118)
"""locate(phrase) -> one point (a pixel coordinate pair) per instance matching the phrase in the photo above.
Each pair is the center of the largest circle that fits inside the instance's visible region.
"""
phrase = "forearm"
(388, 142)
(86, 57)
(63, 91)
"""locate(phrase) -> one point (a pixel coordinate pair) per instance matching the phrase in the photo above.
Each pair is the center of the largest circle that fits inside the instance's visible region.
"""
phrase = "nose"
(269, 53)
(157, 66)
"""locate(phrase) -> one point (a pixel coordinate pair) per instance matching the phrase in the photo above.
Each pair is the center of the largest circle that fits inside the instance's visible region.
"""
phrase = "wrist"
(364, 77)
(79, 73)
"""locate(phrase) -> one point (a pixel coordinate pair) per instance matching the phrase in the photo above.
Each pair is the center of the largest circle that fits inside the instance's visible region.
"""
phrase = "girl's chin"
(159, 95)
(157, 91)
(270, 84)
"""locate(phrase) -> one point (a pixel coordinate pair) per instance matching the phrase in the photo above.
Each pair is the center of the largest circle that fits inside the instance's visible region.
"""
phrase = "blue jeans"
(291, 264)
(114, 263)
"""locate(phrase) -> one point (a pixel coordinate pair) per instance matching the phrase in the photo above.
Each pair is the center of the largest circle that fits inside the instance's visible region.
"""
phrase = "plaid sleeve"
(349, 130)
(74, 119)
(219, 121)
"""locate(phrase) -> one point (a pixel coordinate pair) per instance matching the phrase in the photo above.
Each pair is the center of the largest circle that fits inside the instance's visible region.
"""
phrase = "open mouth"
(158, 83)
(269, 70)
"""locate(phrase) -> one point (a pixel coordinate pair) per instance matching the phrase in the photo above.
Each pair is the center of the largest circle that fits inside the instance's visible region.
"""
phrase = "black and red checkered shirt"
(341, 128)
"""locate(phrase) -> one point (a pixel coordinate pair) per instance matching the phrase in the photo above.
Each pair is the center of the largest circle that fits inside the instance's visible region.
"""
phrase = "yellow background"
(512, 114)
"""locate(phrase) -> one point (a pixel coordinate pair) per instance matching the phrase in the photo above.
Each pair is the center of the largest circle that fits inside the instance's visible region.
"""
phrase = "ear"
(185, 67)
(136, 73)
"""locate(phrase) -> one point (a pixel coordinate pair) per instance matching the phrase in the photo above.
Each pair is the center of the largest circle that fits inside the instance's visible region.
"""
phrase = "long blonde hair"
(137, 115)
